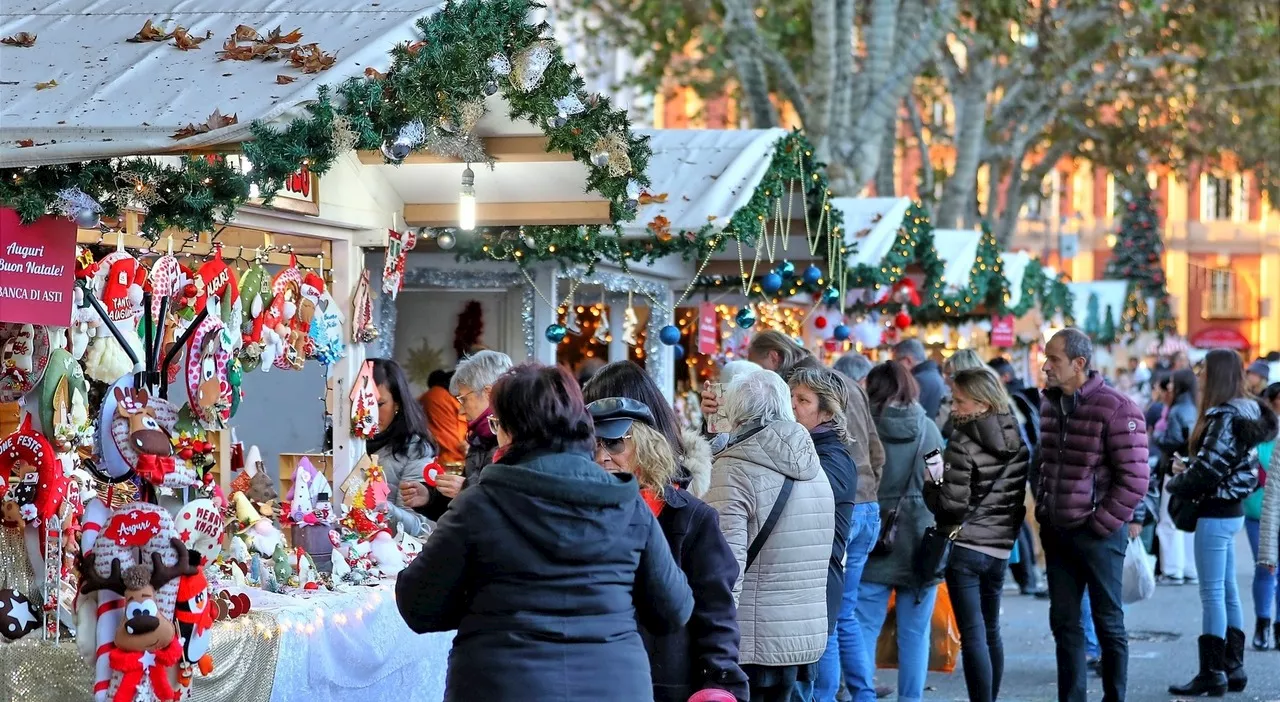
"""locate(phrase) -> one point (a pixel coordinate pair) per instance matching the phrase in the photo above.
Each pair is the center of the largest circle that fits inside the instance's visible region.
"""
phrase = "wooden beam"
(504, 149)
(510, 214)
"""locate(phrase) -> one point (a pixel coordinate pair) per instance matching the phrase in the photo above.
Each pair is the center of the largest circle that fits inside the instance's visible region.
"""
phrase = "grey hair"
(733, 369)
(1076, 344)
(480, 371)
(964, 359)
(911, 348)
(832, 391)
(758, 396)
(854, 366)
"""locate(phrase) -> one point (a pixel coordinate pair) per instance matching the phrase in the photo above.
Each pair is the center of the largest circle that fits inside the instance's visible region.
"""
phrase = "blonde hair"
(655, 464)
(962, 360)
(832, 392)
(983, 385)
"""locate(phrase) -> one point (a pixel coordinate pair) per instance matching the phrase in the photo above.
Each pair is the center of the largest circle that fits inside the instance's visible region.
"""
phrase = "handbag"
(935, 546)
(1184, 512)
(889, 520)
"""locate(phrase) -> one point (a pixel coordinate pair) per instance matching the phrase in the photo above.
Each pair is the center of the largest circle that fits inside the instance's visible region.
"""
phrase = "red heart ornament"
(431, 472)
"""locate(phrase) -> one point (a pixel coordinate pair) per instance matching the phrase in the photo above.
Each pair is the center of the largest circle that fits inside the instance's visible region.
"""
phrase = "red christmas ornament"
(902, 320)
(820, 323)
(189, 290)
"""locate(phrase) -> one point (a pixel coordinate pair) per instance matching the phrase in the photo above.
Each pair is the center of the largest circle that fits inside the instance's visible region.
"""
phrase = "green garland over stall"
(792, 163)
(437, 81)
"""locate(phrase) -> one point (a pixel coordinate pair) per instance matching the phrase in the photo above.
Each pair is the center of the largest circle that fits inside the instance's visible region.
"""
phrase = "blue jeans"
(1216, 562)
(1265, 603)
(914, 609)
(1091, 647)
(845, 648)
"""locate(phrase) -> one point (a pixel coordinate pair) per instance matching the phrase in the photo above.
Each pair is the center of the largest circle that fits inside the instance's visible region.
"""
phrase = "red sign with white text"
(708, 328)
(37, 269)
(1002, 331)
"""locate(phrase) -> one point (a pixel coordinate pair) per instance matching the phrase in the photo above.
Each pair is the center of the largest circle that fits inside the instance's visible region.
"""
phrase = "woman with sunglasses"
(704, 653)
(548, 566)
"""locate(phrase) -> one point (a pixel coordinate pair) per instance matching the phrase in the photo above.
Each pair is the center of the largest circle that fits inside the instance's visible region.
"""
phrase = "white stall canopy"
(114, 97)
(707, 175)
(871, 225)
(958, 249)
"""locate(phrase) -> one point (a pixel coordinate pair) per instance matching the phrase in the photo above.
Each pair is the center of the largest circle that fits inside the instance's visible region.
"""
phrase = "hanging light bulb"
(467, 201)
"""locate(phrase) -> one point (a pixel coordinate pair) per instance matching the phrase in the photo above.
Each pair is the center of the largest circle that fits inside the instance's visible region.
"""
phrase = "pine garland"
(429, 81)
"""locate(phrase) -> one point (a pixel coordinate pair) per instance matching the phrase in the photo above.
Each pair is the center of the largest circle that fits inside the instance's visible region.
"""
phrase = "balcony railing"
(1236, 302)
(1038, 236)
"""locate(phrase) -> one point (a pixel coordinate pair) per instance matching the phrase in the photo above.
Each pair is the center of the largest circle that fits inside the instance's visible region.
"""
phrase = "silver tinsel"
(462, 147)
(418, 278)
(344, 138)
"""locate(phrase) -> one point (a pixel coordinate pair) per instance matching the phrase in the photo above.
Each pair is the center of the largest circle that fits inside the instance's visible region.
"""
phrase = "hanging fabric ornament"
(603, 333)
(364, 404)
(669, 335)
(344, 137)
(571, 323)
(24, 356)
(618, 160)
(746, 318)
(555, 333)
(399, 244)
(630, 326)
(530, 64)
(362, 329)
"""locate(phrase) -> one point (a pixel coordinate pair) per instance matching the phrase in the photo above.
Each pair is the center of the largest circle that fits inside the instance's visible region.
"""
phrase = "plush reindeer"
(146, 643)
(146, 436)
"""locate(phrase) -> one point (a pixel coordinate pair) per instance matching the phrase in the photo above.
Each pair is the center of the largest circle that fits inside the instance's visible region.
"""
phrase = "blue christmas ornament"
(555, 333)
(746, 318)
(669, 335)
(812, 275)
(841, 332)
(678, 350)
(787, 269)
(771, 283)
(830, 295)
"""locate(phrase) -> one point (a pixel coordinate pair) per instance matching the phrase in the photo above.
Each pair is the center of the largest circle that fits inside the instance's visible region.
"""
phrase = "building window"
(1222, 199)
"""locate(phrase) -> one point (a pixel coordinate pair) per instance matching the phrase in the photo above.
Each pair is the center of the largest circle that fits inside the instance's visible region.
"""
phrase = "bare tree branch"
(822, 75)
(743, 35)
(926, 164)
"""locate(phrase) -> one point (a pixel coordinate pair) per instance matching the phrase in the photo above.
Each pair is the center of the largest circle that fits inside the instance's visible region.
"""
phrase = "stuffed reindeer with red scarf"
(146, 643)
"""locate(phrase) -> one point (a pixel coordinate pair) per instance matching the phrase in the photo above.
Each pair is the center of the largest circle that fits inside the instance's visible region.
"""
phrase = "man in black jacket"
(1026, 405)
(910, 353)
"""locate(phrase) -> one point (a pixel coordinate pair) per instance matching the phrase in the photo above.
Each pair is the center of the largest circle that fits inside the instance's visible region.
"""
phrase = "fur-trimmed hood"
(1252, 421)
(696, 462)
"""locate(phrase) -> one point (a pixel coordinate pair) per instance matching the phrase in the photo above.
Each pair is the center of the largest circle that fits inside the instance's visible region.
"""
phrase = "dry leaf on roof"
(878, 216)
(26, 143)
(862, 233)
(149, 32)
(185, 41)
(285, 80)
(413, 48)
(275, 37)
(245, 33)
(232, 51)
(647, 198)
(374, 74)
(217, 120)
(311, 58)
(46, 85)
(712, 218)
(661, 228)
(23, 39)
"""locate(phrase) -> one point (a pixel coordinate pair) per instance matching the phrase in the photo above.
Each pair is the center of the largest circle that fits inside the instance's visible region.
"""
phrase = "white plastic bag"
(1139, 581)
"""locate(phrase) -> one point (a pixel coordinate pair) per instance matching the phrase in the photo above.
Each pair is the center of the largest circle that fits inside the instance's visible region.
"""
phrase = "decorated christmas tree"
(1107, 334)
(1137, 259)
(1092, 323)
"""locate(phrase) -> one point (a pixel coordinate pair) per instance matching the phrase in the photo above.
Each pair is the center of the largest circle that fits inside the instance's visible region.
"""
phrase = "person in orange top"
(444, 417)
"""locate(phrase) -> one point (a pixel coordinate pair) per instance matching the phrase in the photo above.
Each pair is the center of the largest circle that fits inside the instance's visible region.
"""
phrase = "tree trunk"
(925, 188)
(970, 97)
(886, 183)
(823, 77)
(742, 35)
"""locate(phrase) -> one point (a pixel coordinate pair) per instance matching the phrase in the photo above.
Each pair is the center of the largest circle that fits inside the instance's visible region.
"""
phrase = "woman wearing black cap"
(704, 653)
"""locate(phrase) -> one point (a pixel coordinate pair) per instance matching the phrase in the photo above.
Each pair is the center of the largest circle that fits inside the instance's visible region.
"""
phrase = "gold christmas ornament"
(530, 64)
(344, 138)
(619, 162)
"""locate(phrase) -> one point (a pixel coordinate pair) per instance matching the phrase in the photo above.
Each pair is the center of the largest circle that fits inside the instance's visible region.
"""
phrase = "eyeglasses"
(613, 446)
(494, 424)
(463, 396)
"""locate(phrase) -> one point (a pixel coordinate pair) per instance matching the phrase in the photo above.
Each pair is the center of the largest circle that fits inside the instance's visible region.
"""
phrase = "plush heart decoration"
(231, 606)
(281, 318)
(117, 283)
(216, 282)
(28, 456)
(208, 388)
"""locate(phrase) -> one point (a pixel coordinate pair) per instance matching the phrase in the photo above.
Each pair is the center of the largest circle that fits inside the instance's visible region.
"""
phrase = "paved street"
(1162, 649)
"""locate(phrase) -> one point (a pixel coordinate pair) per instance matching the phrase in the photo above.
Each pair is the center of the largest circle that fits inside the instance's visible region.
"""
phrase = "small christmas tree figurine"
(1137, 258)
(1092, 324)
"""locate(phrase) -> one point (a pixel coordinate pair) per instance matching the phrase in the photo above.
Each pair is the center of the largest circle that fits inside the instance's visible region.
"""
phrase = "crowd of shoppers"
(591, 548)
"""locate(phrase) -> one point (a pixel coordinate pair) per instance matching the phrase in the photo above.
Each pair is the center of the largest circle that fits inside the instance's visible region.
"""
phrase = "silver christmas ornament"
(528, 241)
(396, 151)
(600, 159)
(560, 120)
(88, 218)
(490, 87)
(446, 240)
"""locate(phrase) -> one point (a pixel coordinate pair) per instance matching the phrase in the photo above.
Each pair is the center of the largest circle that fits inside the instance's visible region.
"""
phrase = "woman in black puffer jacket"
(979, 497)
(1221, 474)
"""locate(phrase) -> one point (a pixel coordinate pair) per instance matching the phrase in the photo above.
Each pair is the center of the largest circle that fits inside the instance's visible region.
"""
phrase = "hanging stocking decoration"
(362, 329)
(399, 244)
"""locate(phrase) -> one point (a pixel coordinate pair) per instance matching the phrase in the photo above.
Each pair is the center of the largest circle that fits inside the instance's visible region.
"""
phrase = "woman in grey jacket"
(403, 445)
(908, 436)
(782, 591)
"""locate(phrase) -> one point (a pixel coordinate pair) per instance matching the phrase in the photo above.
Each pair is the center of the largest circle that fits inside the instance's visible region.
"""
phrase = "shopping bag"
(1139, 580)
(944, 634)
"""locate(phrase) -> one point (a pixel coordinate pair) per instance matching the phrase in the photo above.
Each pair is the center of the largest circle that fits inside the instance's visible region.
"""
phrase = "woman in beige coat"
(781, 591)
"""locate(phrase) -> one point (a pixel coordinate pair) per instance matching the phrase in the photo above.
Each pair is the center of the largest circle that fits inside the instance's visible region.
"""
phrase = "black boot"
(1234, 659)
(1262, 634)
(1212, 678)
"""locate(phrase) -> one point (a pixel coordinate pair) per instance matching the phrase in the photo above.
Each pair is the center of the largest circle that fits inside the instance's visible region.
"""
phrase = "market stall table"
(321, 647)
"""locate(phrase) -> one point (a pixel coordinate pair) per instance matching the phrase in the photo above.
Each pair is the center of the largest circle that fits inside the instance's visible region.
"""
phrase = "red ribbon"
(153, 469)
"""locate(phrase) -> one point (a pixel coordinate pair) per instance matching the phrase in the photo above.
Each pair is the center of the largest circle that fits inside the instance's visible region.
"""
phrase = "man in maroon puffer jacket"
(1093, 474)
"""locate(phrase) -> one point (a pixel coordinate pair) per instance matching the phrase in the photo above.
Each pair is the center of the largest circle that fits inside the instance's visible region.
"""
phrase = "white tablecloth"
(351, 646)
